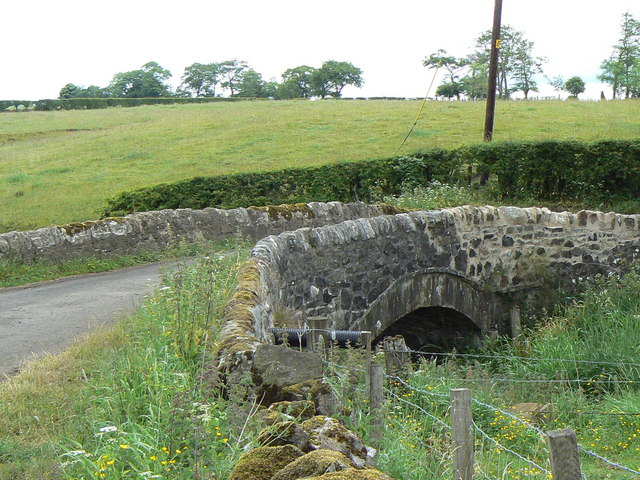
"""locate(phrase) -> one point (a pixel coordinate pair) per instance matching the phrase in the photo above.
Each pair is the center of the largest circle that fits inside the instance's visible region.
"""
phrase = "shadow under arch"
(436, 296)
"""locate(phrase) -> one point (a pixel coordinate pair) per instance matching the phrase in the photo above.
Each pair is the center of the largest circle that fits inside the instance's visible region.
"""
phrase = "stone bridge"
(445, 277)
(441, 278)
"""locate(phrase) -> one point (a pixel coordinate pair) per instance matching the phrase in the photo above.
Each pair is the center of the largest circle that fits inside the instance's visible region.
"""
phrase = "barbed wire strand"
(494, 441)
(609, 462)
(433, 417)
(514, 357)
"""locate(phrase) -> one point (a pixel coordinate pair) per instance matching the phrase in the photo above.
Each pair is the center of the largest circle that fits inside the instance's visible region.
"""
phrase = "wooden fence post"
(462, 434)
(516, 324)
(565, 459)
(376, 399)
(396, 354)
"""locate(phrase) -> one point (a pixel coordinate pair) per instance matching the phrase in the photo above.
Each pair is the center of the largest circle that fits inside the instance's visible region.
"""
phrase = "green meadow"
(59, 167)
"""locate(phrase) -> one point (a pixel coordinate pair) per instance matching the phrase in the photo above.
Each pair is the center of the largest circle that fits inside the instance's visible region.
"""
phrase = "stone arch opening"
(435, 329)
(424, 304)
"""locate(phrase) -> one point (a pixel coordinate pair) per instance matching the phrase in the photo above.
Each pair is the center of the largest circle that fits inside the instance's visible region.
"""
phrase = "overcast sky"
(48, 43)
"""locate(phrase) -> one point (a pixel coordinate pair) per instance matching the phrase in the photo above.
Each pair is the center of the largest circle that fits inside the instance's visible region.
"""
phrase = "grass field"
(58, 167)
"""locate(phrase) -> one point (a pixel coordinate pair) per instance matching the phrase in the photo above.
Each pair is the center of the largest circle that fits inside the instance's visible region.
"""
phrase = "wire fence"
(508, 444)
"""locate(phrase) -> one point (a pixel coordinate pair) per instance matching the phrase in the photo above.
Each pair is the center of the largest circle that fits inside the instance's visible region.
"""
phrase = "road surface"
(47, 317)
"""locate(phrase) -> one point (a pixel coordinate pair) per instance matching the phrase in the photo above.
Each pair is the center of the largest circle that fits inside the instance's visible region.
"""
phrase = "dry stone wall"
(154, 230)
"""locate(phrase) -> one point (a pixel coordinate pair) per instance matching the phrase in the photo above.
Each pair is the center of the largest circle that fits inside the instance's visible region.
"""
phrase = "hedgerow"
(544, 170)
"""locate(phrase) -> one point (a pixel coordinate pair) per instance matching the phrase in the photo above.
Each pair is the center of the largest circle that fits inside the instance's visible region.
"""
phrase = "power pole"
(493, 72)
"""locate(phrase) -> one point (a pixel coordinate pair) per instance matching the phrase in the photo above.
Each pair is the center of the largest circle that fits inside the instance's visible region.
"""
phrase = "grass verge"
(14, 273)
(132, 401)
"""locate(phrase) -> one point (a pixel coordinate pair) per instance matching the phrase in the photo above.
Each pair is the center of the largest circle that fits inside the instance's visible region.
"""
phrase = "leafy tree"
(557, 83)
(297, 82)
(622, 69)
(231, 72)
(449, 90)
(453, 66)
(525, 66)
(201, 79)
(476, 81)
(575, 86)
(149, 81)
(74, 91)
(516, 61)
(251, 84)
(333, 76)
(70, 91)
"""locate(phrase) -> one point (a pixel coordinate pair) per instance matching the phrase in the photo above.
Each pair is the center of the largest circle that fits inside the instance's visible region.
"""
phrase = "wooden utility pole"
(493, 72)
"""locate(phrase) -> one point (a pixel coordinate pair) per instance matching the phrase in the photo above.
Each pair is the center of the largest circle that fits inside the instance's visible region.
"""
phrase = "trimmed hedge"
(95, 103)
(543, 170)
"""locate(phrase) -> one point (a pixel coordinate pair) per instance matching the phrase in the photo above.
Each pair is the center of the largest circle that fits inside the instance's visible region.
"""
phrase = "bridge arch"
(436, 297)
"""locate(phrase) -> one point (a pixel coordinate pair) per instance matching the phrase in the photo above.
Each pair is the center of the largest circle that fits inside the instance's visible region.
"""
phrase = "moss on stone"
(298, 409)
(263, 462)
(72, 229)
(286, 211)
(313, 463)
(353, 474)
(391, 209)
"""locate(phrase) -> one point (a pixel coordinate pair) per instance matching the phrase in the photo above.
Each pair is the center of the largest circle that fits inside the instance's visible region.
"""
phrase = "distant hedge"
(546, 169)
(94, 103)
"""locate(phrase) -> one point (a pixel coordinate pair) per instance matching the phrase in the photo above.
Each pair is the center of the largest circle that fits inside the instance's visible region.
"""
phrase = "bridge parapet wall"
(341, 271)
(155, 230)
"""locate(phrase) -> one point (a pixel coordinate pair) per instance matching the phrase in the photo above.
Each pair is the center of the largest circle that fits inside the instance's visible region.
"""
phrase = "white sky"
(48, 43)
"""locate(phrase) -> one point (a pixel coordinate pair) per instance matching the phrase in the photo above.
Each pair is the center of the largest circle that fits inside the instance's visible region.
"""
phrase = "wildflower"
(124, 446)
(108, 429)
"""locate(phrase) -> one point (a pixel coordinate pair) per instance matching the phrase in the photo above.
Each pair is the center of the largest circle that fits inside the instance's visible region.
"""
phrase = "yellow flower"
(124, 446)
(153, 457)
(111, 462)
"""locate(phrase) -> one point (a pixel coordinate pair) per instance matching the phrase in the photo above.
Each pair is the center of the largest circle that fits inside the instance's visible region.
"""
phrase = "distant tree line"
(518, 66)
(232, 77)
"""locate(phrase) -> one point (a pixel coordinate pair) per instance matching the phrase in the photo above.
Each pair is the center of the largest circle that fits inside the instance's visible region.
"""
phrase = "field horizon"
(60, 167)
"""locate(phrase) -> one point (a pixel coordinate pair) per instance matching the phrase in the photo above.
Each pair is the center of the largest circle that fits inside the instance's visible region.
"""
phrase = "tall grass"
(58, 167)
(133, 401)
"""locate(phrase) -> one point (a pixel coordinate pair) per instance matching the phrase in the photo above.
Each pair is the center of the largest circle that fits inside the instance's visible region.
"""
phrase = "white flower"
(109, 428)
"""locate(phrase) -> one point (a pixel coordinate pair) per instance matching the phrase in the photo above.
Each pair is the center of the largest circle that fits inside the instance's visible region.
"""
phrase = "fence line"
(499, 445)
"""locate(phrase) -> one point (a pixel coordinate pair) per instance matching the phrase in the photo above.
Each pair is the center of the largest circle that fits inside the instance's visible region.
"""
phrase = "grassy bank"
(58, 167)
(130, 401)
(139, 401)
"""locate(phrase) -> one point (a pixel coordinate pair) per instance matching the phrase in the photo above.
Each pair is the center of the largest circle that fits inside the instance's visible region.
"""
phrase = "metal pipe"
(298, 336)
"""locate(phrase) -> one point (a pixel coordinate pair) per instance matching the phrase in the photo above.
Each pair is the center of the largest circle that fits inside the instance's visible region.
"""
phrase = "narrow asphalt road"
(47, 317)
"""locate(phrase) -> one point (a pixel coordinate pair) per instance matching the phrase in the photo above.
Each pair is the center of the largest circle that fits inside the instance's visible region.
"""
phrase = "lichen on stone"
(286, 211)
(353, 474)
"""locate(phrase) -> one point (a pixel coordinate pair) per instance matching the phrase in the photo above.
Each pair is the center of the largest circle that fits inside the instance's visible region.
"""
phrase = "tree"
(449, 90)
(622, 69)
(251, 84)
(70, 91)
(475, 82)
(149, 81)
(516, 60)
(231, 74)
(333, 76)
(297, 82)
(74, 91)
(453, 66)
(201, 79)
(525, 66)
(575, 86)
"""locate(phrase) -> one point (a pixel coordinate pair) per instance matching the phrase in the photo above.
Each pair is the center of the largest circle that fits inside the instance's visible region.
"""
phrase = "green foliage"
(551, 170)
(106, 102)
(333, 76)
(201, 79)
(434, 196)
(622, 69)
(575, 86)
(338, 182)
(148, 81)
